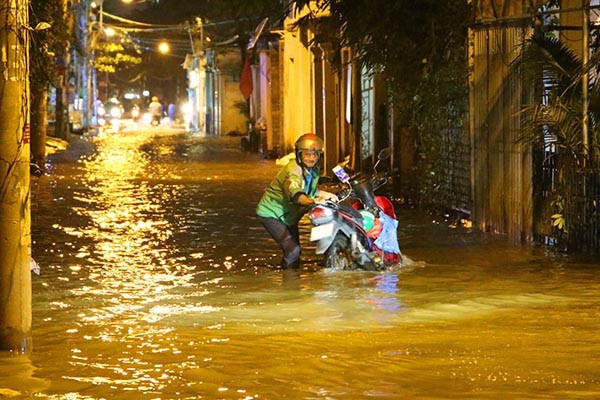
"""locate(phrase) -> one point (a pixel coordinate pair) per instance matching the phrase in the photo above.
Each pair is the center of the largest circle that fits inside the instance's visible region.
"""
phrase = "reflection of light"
(109, 32)
(131, 232)
(147, 118)
(193, 78)
(387, 286)
(186, 109)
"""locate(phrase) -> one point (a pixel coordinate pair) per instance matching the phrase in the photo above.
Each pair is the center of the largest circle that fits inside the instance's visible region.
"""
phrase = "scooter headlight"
(115, 112)
(320, 215)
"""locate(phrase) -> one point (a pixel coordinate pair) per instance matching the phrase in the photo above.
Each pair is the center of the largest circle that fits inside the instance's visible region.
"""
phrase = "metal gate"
(501, 169)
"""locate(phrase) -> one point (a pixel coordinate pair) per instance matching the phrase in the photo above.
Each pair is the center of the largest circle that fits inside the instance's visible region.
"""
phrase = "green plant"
(553, 123)
(111, 56)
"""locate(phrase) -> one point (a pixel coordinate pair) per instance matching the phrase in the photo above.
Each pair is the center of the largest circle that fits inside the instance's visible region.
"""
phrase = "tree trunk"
(60, 124)
(15, 230)
(39, 123)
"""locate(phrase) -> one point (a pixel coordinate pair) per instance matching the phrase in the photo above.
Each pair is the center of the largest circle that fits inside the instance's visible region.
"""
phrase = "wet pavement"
(157, 282)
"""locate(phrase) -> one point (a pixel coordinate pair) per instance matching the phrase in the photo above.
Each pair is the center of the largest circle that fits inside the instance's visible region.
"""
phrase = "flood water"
(157, 282)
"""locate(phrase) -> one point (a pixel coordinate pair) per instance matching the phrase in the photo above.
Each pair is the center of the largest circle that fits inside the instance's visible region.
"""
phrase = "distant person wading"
(155, 109)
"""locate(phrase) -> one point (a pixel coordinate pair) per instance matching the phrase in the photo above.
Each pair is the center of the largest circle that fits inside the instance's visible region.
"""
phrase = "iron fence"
(582, 212)
(579, 206)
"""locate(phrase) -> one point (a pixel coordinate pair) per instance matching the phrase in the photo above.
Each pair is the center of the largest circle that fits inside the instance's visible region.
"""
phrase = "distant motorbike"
(358, 231)
(109, 115)
(135, 113)
(155, 120)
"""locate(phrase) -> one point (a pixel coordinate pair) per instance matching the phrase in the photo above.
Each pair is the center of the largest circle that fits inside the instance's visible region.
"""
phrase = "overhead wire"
(133, 30)
(183, 26)
(132, 22)
(140, 28)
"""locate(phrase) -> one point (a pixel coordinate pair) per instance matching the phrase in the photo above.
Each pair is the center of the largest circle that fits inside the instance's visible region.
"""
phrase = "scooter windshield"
(364, 191)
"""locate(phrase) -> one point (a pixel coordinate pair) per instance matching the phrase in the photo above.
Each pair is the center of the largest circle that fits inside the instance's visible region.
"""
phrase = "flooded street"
(157, 282)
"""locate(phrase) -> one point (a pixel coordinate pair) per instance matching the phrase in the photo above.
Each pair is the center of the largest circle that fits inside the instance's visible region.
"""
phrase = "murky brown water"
(156, 284)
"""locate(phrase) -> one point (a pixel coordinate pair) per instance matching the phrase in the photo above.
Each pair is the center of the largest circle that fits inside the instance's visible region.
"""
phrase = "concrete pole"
(85, 68)
(15, 219)
(586, 76)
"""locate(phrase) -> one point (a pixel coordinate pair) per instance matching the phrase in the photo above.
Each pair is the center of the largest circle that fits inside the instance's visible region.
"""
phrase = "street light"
(91, 29)
(95, 34)
(163, 47)
(109, 32)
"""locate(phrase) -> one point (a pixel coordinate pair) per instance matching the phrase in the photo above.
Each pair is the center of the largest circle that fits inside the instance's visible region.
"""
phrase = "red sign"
(26, 134)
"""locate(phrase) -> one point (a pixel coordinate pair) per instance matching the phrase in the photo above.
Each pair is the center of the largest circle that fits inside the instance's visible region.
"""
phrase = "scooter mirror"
(384, 154)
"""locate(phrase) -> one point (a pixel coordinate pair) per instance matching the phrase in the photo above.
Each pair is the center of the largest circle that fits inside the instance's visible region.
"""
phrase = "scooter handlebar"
(355, 186)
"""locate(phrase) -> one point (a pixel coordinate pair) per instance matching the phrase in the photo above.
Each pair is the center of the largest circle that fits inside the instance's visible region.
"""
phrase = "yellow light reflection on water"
(129, 263)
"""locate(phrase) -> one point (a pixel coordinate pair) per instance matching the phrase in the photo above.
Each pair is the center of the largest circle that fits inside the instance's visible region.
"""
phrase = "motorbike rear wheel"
(338, 256)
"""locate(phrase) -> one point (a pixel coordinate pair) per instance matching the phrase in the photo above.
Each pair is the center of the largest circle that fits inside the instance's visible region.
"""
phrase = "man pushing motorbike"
(289, 196)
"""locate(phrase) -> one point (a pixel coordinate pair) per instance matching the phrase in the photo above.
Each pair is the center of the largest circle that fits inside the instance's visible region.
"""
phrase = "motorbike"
(109, 115)
(359, 230)
(135, 113)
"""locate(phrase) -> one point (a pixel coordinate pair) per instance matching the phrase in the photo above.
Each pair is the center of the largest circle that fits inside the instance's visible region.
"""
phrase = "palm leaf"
(550, 60)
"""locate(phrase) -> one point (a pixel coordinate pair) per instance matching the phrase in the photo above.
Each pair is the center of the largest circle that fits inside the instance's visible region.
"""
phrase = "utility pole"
(61, 126)
(15, 218)
(96, 29)
(585, 40)
(86, 70)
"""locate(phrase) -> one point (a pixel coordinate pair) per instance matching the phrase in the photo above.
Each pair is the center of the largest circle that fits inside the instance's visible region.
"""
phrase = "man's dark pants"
(288, 238)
